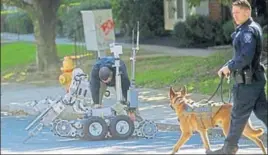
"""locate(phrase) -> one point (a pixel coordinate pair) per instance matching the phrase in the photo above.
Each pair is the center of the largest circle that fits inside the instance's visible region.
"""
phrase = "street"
(13, 133)
(153, 106)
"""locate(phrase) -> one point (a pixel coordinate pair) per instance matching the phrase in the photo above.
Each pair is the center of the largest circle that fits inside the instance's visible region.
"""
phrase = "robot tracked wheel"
(95, 128)
(121, 127)
(148, 129)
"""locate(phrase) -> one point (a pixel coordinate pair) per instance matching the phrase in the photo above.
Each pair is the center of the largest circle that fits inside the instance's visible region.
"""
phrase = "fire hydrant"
(67, 68)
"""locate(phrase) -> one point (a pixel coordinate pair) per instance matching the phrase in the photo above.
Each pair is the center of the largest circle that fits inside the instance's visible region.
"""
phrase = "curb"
(221, 47)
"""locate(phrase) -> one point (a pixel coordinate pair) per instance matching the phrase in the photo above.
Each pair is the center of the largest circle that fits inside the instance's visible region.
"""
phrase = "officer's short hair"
(242, 3)
(105, 73)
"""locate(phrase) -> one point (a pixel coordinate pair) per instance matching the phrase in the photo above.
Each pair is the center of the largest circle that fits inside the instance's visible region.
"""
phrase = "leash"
(220, 86)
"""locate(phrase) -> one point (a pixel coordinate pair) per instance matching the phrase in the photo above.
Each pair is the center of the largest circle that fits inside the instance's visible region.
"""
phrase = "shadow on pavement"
(13, 133)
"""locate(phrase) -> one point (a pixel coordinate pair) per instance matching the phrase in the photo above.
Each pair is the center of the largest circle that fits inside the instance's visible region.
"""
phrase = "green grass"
(197, 73)
(22, 53)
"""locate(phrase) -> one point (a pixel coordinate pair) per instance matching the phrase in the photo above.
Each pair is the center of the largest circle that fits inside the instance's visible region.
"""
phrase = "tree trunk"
(44, 20)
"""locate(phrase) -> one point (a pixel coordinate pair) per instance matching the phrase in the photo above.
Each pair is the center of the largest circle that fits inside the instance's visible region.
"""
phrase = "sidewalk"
(157, 49)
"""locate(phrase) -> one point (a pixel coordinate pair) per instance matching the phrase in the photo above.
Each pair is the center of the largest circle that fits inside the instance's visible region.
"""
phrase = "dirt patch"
(18, 113)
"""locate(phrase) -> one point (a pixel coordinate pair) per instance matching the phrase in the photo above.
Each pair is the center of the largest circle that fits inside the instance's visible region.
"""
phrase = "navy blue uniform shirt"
(245, 39)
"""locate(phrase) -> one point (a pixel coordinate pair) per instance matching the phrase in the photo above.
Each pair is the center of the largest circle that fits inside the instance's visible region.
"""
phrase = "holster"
(238, 77)
(244, 77)
(248, 76)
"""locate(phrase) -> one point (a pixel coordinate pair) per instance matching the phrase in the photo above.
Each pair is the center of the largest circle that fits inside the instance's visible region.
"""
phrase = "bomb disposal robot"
(90, 123)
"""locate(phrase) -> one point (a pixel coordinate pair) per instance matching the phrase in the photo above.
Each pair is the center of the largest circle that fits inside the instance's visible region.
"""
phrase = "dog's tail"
(256, 132)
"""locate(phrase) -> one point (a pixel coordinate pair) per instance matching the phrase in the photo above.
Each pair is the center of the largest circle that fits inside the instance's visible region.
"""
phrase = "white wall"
(203, 9)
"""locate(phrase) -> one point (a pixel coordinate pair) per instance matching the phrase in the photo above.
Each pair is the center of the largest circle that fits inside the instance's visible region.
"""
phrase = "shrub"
(228, 28)
(3, 16)
(262, 20)
(198, 31)
(72, 24)
(149, 13)
(182, 34)
(18, 22)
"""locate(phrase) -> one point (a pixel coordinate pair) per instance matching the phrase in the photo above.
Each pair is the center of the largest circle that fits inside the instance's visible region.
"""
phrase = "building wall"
(211, 8)
(203, 8)
(214, 9)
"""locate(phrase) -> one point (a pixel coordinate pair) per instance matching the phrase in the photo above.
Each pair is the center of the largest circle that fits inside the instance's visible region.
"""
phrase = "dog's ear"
(184, 91)
(171, 93)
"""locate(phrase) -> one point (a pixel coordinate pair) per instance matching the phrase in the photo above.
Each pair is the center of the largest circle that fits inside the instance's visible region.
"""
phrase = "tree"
(149, 13)
(43, 14)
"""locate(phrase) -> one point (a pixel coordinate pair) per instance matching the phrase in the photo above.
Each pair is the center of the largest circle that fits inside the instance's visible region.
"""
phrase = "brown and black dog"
(221, 117)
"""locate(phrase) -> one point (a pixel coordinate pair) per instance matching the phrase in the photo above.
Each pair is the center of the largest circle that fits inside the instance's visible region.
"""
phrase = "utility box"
(98, 30)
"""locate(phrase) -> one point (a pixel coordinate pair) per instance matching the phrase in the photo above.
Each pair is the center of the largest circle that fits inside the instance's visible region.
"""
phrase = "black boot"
(226, 149)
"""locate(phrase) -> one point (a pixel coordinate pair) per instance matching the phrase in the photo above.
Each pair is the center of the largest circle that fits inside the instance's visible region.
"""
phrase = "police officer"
(103, 76)
(248, 73)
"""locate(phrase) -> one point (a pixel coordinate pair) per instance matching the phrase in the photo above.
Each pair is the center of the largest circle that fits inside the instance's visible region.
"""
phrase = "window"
(174, 10)
(171, 9)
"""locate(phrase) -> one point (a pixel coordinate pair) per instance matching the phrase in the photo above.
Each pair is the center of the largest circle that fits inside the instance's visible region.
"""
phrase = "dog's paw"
(173, 152)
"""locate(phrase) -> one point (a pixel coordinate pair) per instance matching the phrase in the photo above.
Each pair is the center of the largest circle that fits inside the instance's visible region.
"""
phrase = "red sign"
(107, 26)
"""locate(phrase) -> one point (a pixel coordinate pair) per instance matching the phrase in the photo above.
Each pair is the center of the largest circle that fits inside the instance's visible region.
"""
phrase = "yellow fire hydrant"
(67, 68)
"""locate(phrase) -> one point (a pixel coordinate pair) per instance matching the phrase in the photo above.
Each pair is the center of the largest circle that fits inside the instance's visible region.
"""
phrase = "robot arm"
(46, 117)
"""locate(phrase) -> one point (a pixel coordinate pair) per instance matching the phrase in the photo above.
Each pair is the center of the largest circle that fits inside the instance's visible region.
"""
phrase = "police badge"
(247, 37)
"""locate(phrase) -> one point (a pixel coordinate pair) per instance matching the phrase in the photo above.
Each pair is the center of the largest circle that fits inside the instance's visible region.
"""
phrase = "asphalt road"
(13, 133)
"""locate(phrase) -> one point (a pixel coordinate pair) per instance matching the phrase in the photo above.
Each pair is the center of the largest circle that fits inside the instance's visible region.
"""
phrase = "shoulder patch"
(247, 37)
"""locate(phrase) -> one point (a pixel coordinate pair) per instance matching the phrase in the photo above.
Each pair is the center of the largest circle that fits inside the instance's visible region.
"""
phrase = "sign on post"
(98, 30)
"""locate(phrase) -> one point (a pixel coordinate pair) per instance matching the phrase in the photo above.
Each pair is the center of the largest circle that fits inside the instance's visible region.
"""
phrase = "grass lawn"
(23, 53)
(197, 73)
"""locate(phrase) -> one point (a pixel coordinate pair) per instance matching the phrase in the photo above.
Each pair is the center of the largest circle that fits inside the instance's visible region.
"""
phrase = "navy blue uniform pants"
(246, 98)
